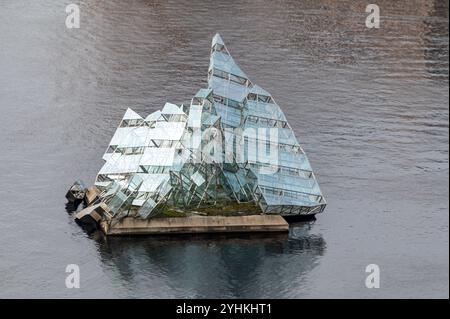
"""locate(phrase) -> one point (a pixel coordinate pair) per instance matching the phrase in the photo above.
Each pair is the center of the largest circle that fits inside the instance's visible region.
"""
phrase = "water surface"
(369, 106)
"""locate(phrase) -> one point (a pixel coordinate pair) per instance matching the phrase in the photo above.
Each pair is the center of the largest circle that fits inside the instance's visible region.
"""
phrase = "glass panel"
(146, 210)
(112, 189)
(220, 74)
(117, 201)
(238, 79)
(135, 183)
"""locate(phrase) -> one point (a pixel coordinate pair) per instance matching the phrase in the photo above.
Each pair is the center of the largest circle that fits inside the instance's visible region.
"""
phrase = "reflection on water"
(369, 106)
(215, 266)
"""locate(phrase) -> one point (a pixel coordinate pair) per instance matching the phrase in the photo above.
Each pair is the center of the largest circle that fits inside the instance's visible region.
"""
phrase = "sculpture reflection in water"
(203, 266)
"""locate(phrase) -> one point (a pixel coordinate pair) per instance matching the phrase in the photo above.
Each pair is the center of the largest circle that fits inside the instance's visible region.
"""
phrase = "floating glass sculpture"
(231, 150)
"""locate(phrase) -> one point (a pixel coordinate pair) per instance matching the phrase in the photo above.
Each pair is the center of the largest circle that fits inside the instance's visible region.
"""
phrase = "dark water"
(370, 108)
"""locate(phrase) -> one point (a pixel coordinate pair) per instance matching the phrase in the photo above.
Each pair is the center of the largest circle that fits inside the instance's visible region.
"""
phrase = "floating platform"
(160, 176)
(197, 225)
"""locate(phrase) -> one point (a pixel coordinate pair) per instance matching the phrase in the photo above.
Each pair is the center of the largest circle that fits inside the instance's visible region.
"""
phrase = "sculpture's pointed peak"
(217, 39)
(131, 115)
(222, 59)
(218, 45)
